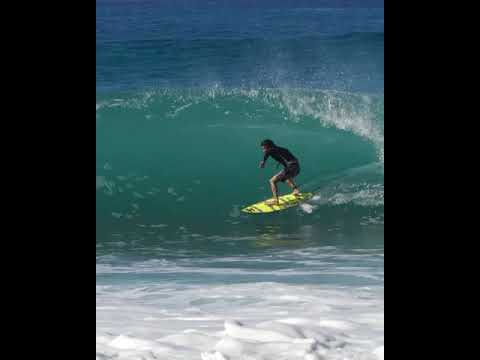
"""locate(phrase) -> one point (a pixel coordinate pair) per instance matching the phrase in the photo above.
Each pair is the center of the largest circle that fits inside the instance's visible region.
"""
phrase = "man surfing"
(291, 168)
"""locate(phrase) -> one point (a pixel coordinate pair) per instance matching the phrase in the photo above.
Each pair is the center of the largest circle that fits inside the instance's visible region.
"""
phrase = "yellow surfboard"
(286, 201)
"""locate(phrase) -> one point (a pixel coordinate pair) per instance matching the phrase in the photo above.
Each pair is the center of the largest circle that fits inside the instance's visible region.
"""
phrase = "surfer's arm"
(265, 157)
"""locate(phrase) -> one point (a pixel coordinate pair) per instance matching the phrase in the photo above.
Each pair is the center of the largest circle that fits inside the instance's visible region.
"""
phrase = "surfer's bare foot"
(272, 202)
(296, 192)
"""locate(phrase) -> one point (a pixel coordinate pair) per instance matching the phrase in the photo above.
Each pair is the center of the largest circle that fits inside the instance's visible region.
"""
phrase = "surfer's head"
(267, 144)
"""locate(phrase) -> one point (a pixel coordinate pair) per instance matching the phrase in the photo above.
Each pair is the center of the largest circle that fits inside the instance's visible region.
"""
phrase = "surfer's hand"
(262, 164)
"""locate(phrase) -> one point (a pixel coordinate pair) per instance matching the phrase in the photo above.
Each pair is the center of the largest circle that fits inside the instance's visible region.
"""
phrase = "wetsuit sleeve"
(266, 156)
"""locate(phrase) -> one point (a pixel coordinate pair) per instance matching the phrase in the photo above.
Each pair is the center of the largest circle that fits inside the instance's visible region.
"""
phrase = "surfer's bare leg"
(273, 185)
(292, 184)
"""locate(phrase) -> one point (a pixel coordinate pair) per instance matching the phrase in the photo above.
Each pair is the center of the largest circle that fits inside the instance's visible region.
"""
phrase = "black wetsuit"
(286, 158)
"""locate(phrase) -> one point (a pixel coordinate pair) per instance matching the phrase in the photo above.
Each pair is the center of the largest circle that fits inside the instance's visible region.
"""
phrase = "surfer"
(291, 168)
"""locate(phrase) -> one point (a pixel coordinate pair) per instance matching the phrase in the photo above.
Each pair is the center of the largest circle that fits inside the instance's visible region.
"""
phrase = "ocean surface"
(185, 93)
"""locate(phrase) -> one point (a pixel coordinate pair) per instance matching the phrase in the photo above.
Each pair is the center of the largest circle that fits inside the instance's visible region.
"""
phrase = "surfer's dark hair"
(267, 143)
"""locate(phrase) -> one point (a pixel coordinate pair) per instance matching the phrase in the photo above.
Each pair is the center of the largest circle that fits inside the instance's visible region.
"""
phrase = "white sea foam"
(174, 319)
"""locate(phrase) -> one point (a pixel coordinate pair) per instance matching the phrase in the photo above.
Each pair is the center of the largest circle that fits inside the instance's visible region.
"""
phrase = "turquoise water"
(174, 161)
(185, 92)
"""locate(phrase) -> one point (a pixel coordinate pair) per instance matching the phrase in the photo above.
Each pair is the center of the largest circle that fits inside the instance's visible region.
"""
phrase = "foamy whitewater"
(283, 315)
(186, 91)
